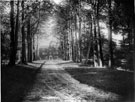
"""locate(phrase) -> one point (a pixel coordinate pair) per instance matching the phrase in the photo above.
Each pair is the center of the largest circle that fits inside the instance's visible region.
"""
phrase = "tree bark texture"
(23, 36)
(12, 35)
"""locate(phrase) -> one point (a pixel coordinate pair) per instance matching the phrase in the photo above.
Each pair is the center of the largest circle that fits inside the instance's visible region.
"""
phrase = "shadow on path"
(17, 81)
(119, 82)
(59, 83)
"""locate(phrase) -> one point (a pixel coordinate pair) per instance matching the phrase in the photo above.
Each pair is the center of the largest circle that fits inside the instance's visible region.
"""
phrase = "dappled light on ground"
(58, 85)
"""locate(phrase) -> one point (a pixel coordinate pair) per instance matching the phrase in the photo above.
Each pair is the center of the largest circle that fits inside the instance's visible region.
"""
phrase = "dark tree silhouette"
(12, 35)
(23, 57)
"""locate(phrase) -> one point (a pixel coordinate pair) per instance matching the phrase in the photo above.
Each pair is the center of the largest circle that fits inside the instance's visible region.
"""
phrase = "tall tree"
(110, 63)
(133, 32)
(12, 35)
(17, 28)
(90, 40)
(100, 52)
(80, 32)
(23, 36)
(95, 47)
(29, 38)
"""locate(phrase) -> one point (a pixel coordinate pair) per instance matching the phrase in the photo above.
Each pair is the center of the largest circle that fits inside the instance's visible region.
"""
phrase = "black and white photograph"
(67, 50)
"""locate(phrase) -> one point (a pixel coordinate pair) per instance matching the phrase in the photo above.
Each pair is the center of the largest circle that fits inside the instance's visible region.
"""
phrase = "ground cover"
(65, 81)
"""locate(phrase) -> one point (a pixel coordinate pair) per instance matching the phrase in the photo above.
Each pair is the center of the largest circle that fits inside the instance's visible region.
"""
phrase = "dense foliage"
(79, 29)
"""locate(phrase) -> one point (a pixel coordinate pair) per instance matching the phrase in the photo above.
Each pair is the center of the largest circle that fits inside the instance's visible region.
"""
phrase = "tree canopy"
(85, 30)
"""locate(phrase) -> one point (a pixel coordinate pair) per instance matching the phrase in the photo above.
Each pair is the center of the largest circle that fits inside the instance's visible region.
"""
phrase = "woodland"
(98, 34)
(78, 29)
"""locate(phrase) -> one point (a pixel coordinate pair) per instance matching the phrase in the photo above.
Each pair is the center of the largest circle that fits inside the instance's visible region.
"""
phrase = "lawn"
(16, 82)
(119, 82)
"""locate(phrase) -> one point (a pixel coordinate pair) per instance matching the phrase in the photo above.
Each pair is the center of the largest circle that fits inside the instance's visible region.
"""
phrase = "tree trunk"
(90, 40)
(31, 47)
(132, 49)
(93, 42)
(133, 33)
(17, 28)
(76, 42)
(37, 48)
(110, 64)
(23, 36)
(101, 62)
(80, 31)
(28, 39)
(12, 36)
(70, 42)
(72, 45)
(95, 48)
(34, 53)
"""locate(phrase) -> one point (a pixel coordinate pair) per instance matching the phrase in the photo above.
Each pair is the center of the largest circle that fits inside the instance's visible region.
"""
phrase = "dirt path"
(54, 84)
